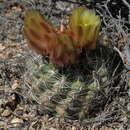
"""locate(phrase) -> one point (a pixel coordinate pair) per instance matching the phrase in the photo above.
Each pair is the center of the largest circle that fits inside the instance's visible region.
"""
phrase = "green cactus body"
(68, 91)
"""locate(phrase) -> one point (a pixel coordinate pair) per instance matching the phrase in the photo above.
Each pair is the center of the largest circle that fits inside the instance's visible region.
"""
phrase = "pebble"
(2, 124)
(16, 121)
(6, 113)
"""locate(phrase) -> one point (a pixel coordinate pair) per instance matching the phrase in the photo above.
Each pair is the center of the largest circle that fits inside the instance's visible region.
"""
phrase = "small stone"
(14, 128)
(73, 128)
(15, 85)
(53, 128)
(6, 113)
(19, 111)
(129, 91)
(16, 121)
(2, 124)
(2, 47)
(128, 107)
(1, 110)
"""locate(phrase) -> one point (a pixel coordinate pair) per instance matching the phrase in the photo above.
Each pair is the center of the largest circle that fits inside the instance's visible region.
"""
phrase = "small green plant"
(67, 92)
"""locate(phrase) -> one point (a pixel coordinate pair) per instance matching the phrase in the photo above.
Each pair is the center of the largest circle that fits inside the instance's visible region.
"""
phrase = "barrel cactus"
(67, 92)
(65, 79)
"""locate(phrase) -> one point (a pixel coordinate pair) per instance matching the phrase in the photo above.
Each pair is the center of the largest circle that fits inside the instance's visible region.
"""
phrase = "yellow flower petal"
(84, 27)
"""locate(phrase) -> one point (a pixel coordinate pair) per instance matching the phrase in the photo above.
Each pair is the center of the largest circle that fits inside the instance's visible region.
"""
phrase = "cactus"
(67, 91)
(67, 80)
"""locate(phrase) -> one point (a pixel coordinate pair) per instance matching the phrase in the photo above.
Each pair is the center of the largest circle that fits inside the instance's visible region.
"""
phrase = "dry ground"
(16, 110)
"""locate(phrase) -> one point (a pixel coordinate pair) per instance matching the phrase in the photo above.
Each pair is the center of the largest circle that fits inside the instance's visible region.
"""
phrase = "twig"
(127, 5)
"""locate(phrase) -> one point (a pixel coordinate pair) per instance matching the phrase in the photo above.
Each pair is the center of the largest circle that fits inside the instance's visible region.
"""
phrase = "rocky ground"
(17, 110)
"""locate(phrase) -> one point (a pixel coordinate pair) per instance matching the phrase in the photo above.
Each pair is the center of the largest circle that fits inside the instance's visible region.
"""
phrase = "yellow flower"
(84, 27)
(62, 46)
